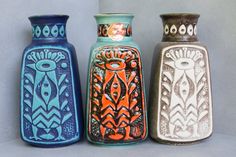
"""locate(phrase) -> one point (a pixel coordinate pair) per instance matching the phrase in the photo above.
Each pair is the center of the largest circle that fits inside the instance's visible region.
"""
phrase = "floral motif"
(116, 97)
(185, 95)
(47, 96)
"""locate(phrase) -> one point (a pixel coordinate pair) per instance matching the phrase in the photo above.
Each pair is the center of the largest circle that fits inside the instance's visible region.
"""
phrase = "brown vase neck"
(180, 27)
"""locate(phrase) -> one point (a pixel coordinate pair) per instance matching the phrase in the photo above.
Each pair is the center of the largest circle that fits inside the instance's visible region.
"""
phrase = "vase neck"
(180, 27)
(114, 27)
(49, 28)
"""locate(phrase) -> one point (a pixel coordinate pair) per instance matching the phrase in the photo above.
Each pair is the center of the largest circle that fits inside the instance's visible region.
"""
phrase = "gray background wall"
(15, 35)
(217, 29)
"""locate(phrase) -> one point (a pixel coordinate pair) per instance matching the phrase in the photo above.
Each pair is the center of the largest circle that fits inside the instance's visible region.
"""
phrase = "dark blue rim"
(48, 18)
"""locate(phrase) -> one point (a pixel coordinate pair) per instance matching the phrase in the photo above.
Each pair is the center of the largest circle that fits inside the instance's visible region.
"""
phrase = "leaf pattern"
(30, 77)
(27, 102)
(46, 107)
(62, 78)
(116, 96)
(66, 117)
(62, 89)
(183, 93)
(27, 116)
(29, 88)
(64, 104)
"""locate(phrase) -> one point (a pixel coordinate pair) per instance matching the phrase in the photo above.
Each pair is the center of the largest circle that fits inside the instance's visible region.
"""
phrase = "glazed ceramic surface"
(116, 112)
(51, 113)
(180, 89)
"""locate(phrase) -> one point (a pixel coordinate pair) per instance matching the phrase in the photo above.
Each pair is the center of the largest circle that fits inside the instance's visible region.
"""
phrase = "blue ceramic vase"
(116, 111)
(51, 105)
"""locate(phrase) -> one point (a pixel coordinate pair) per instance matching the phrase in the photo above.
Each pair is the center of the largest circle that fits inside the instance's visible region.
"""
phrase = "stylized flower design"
(45, 60)
(183, 58)
(117, 87)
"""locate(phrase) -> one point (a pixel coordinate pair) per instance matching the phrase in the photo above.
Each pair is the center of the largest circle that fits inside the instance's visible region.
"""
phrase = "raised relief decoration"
(48, 97)
(48, 31)
(185, 94)
(117, 100)
(183, 29)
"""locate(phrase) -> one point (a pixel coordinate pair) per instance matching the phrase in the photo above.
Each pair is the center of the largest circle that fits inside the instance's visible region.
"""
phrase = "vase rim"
(180, 15)
(114, 14)
(48, 16)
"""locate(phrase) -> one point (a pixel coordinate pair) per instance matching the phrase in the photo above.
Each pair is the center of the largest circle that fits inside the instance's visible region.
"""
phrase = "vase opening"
(48, 18)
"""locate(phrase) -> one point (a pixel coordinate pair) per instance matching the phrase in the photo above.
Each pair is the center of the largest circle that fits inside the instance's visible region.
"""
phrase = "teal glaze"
(36, 100)
(102, 42)
(54, 31)
(51, 105)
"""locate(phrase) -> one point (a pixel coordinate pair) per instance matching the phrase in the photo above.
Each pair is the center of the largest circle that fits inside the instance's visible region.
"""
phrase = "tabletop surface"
(217, 146)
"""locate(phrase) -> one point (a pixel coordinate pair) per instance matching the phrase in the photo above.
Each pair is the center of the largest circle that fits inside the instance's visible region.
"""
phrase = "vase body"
(51, 105)
(116, 112)
(180, 88)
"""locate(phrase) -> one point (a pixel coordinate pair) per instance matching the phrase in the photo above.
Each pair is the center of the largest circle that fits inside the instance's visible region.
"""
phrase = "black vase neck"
(49, 28)
(180, 27)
